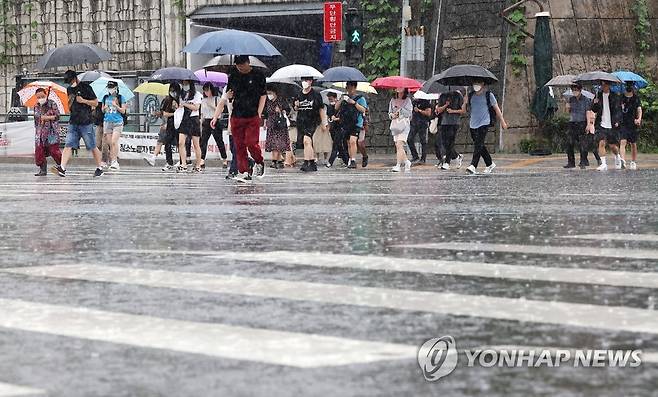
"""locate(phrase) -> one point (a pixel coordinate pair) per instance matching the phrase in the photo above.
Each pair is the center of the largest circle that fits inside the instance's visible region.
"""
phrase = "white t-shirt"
(208, 106)
(606, 120)
(197, 100)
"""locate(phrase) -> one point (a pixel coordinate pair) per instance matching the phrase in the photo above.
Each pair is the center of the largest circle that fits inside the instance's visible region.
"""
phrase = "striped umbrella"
(55, 92)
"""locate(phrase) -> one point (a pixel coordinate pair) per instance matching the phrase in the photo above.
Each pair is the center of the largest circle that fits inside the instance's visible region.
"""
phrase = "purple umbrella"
(217, 78)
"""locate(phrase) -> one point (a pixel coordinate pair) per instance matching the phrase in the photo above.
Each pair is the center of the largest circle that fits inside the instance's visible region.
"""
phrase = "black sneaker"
(280, 165)
(569, 166)
(98, 172)
(352, 165)
(259, 171)
(304, 167)
(58, 170)
(43, 171)
(231, 175)
(364, 162)
(313, 167)
(274, 165)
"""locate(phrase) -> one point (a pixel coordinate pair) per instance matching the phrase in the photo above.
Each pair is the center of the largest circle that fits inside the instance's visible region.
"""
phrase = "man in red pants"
(246, 87)
(46, 138)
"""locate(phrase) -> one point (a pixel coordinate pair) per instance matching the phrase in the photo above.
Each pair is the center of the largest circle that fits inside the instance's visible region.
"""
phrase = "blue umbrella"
(341, 74)
(173, 74)
(100, 88)
(626, 76)
(231, 42)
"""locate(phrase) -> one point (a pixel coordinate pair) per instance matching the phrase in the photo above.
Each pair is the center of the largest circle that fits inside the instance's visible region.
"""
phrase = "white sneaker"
(407, 166)
(150, 160)
(633, 165)
(396, 168)
(243, 178)
(617, 162)
(471, 169)
(490, 168)
(167, 167)
(460, 159)
(602, 167)
(115, 166)
(445, 166)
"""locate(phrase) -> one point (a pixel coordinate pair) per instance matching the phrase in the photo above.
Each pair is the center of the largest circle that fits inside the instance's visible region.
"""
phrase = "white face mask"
(306, 85)
(186, 87)
(42, 101)
(477, 87)
(173, 94)
(270, 97)
(113, 91)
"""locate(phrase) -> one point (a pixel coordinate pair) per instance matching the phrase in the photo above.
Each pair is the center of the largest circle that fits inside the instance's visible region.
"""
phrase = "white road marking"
(624, 253)
(217, 340)
(617, 237)
(430, 266)
(9, 390)
(562, 313)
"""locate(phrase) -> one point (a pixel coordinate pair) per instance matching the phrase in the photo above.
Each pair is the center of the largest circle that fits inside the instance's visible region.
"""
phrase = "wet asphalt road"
(138, 227)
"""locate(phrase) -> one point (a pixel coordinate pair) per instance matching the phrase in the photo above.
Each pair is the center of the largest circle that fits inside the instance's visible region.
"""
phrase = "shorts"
(610, 135)
(401, 137)
(86, 132)
(112, 128)
(302, 131)
(191, 127)
(629, 134)
(362, 135)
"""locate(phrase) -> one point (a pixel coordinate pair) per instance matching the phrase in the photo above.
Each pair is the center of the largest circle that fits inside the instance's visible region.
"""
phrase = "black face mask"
(629, 89)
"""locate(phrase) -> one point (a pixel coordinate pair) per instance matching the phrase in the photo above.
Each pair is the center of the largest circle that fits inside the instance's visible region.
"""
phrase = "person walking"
(276, 122)
(101, 144)
(208, 107)
(114, 109)
(577, 106)
(46, 137)
(484, 112)
(420, 122)
(352, 110)
(168, 136)
(604, 119)
(246, 88)
(631, 120)
(82, 102)
(311, 113)
(190, 101)
(449, 111)
(400, 109)
(338, 138)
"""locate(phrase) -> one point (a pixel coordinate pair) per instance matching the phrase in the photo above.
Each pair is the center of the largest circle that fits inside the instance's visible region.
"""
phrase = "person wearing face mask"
(114, 109)
(449, 110)
(168, 132)
(604, 119)
(276, 122)
(46, 138)
(82, 102)
(311, 113)
(631, 120)
(484, 112)
(577, 106)
(400, 109)
(190, 100)
(352, 110)
(208, 108)
(339, 143)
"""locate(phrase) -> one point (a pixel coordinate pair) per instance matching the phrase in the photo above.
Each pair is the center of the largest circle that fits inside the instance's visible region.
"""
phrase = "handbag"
(399, 125)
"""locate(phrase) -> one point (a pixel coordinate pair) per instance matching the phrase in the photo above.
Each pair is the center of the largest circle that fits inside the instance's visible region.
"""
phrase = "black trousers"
(447, 135)
(479, 148)
(419, 131)
(578, 138)
(217, 133)
(339, 146)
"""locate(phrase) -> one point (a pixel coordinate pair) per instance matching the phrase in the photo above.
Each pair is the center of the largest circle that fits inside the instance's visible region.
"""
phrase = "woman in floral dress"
(278, 140)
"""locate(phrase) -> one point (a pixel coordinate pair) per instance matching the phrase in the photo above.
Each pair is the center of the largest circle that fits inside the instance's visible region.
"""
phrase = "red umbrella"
(393, 82)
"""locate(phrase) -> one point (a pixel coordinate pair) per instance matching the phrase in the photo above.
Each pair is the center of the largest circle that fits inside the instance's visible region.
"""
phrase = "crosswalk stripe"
(624, 253)
(217, 340)
(617, 237)
(562, 313)
(9, 390)
(430, 266)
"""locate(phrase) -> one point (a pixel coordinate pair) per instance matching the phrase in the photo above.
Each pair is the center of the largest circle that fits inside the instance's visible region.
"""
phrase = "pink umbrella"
(217, 78)
(393, 82)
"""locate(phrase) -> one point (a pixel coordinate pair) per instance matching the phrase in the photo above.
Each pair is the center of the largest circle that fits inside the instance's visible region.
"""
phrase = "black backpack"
(349, 114)
(123, 115)
(492, 111)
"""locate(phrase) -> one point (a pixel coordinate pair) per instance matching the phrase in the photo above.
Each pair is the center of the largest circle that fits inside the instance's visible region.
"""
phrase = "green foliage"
(381, 48)
(648, 140)
(643, 31)
(10, 40)
(554, 131)
(516, 41)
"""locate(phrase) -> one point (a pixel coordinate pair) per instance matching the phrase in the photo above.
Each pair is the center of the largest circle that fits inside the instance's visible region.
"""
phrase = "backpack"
(349, 114)
(492, 111)
(124, 116)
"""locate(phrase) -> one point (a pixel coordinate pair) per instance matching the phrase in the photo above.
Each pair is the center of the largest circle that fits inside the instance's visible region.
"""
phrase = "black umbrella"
(285, 88)
(432, 86)
(71, 55)
(343, 74)
(173, 74)
(592, 77)
(465, 74)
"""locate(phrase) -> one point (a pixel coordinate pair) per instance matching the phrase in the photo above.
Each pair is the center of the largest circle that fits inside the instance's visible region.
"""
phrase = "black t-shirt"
(308, 113)
(417, 118)
(81, 114)
(629, 110)
(247, 90)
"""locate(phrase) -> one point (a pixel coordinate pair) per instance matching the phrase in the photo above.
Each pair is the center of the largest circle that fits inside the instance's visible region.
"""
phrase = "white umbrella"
(296, 72)
(360, 86)
(325, 93)
(227, 60)
(568, 93)
(424, 95)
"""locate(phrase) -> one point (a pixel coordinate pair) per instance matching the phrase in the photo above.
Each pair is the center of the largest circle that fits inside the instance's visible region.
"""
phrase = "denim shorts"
(86, 132)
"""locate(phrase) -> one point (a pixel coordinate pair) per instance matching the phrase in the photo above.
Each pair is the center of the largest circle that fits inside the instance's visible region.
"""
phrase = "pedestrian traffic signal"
(354, 35)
